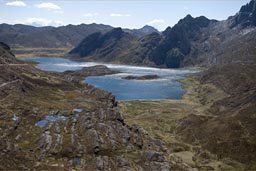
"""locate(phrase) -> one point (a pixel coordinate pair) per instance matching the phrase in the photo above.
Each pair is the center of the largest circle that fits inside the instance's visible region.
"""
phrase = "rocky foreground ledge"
(52, 122)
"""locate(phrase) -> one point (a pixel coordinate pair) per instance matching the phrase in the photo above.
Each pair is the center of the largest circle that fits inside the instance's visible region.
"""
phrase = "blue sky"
(118, 13)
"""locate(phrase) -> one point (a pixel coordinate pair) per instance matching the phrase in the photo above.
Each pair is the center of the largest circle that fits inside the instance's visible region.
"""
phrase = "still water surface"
(167, 87)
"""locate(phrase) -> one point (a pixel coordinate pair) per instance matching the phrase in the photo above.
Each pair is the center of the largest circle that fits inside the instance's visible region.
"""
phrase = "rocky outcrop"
(174, 58)
(83, 130)
(6, 54)
(79, 75)
(100, 140)
(5, 46)
(246, 16)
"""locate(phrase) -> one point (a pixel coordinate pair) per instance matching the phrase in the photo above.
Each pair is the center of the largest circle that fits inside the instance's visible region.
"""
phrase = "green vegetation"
(179, 124)
(25, 52)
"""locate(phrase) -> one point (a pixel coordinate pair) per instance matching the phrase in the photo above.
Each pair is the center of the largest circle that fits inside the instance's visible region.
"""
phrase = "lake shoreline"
(162, 119)
(165, 87)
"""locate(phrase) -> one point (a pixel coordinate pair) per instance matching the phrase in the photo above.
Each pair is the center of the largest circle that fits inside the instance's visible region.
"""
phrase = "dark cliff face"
(97, 41)
(5, 46)
(6, 54)
(246, 16)
(176, 42)
(166, 49)
(90, 43)
(192, 41)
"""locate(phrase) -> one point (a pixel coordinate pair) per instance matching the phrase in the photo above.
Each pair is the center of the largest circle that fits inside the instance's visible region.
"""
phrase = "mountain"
(19, 35)
(48, 37)
(53, 121)
(106, 47)
(142, 31)
(117, 46)
(176, 42)
(246, 16)
(192, 41)
(167, 49)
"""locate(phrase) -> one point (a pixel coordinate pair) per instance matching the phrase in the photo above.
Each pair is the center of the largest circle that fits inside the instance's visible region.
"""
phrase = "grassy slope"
(24, 52)
(193, 126)
(97, 137)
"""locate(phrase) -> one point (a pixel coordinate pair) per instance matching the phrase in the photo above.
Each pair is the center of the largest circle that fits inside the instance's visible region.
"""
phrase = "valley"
(99, 97)
(180, 124)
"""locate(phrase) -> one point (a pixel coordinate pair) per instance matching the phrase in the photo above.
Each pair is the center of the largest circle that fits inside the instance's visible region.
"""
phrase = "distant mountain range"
(19, 35)
(167, 48)
(219, 125)
(191, 41)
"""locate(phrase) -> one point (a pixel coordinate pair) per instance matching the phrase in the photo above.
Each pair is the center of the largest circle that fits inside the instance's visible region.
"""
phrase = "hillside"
(55, 121)
(25, 36)
(212, 127)
(48, 37)
(228, 124)
(166, 49)
(51, 121)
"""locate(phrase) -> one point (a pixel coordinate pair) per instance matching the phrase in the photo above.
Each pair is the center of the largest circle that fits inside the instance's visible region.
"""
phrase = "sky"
(118, 13)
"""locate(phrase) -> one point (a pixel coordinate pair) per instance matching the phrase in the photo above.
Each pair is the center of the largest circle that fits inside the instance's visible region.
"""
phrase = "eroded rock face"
(98, 138)
(246, 16)
(174, 58)
(50, 122)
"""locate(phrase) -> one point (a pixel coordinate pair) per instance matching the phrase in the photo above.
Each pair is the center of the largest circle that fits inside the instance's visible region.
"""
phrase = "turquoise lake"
(166, 87)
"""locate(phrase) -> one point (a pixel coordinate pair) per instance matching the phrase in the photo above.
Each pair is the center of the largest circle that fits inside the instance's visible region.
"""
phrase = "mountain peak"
(188, 17)
(167, 30)
(148, 29)
(246, 16)
(116, 32)
(248, 7)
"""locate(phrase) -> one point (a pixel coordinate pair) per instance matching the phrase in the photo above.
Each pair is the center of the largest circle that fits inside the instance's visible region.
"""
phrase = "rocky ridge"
(89, 134)
(62, 37)
(192, 41)
(167, 49)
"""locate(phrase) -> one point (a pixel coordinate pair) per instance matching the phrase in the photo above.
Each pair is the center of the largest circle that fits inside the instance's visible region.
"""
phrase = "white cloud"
(155, 21)
(58, 12)
(42, 22)
(185, 8)
(158, 24)
(91, 14)
(90, 22)
(48, 5)
(16, 4)
(119, 15)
